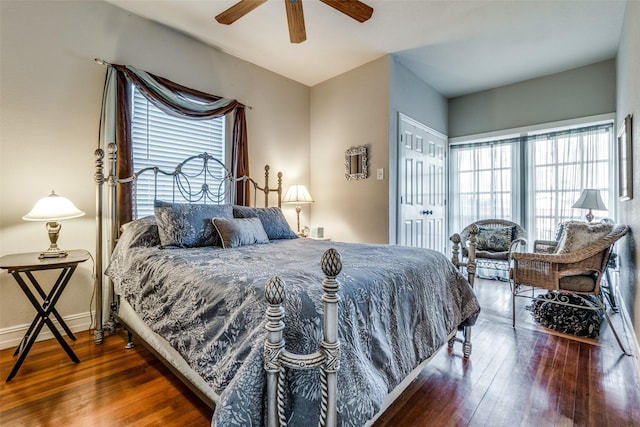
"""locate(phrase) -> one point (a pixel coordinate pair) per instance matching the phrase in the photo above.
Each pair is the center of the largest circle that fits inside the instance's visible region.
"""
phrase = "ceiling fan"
(295, 18)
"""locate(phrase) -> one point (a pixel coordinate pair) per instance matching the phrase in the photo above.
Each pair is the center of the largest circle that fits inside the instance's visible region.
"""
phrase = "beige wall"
(348, 111)
(628, 102)
(50, 99)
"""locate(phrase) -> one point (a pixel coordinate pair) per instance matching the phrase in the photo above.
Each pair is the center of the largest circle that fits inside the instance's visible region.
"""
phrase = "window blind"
(163, 140)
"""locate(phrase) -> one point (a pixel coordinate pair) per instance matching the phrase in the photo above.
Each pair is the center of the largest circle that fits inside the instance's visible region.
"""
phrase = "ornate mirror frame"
(356, 163)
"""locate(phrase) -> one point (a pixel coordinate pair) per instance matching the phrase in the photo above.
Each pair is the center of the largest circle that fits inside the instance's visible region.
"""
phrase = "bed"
(274, 329)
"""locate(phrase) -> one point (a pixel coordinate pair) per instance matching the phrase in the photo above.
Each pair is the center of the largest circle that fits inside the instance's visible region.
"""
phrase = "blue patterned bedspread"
(398, 305)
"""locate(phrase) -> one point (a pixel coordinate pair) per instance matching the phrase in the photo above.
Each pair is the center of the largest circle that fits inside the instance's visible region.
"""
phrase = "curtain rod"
(103, 62)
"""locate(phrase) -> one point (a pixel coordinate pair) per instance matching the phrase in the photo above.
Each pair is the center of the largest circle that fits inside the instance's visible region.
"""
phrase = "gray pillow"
(236, 232)
(189, 225)
(578, 235)
(273, 221)
(142, 232)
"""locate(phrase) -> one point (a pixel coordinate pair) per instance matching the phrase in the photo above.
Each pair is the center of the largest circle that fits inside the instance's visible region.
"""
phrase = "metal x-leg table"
(19, 265)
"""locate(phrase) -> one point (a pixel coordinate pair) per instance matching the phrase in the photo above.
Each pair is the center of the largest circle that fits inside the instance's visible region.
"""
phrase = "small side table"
(25, 264)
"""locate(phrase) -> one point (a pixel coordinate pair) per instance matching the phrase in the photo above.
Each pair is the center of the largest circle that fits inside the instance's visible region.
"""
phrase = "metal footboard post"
(331, 267)
(273, 346)
(327, 358)
(98, 177)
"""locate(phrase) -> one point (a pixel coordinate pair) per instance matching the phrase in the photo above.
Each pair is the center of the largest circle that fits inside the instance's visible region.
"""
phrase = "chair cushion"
(578, 235)
(493, 255)
(578, 283)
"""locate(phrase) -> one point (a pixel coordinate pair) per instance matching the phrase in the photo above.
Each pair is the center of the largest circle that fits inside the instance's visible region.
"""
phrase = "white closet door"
(421, 186)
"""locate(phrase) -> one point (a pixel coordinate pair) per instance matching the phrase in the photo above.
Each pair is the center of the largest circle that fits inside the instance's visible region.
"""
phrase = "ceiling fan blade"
(295, 18)
(353, 8)
(237, 11)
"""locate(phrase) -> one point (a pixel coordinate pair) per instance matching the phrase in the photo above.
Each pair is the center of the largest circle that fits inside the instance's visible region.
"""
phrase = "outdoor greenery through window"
(163, 140)
(532, 179)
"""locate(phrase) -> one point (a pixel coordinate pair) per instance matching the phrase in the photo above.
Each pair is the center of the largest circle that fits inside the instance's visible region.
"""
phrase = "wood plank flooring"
(527, 376)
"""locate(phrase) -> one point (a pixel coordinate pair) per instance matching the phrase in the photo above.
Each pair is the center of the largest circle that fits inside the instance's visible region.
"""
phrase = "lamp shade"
(53, 208)
(297, 194)
(590, 199)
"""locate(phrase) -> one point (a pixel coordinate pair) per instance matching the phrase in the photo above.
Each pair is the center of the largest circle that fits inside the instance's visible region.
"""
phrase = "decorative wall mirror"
(356, 163)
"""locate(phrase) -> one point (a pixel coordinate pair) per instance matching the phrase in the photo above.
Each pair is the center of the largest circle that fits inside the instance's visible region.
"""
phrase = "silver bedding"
(398, 307)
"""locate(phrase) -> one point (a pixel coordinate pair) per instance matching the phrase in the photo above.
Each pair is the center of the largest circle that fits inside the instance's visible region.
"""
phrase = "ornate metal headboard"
(198, 179)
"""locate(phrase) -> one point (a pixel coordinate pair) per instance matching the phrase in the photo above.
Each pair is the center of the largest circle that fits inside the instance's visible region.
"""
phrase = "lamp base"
(53, 229)
(589, 216)
(53, 253)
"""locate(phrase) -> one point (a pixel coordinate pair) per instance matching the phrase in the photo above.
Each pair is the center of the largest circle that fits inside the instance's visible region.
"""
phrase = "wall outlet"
(380, 173)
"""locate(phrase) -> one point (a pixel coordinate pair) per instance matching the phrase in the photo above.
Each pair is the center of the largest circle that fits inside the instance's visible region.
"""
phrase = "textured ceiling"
(456, 46)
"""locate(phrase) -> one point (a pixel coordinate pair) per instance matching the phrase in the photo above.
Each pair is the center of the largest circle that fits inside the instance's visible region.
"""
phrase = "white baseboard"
(10, 337)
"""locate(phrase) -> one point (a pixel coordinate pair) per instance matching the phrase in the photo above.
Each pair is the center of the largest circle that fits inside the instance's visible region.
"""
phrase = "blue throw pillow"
(189, 225)
(273, 221)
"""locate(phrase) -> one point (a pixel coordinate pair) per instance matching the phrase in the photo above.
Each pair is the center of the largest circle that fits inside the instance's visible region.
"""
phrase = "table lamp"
(297, 194)
(52, 209)
(590, 199)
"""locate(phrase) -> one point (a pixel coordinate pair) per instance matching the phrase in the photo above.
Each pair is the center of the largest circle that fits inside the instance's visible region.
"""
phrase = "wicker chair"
(578, 272)
(499, 260)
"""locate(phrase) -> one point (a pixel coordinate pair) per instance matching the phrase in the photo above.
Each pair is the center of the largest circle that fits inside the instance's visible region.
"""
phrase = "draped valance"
(173, 99)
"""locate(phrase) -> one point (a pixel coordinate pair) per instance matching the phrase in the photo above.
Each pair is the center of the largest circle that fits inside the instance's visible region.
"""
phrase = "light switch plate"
(380, 173)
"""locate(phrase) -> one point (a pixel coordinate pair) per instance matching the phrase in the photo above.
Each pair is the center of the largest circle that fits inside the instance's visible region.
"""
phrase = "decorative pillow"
(142, 232)
(273, 221)
(189, 225)
(562, 225)
(494, 239)
(236, 232)
(578, 235)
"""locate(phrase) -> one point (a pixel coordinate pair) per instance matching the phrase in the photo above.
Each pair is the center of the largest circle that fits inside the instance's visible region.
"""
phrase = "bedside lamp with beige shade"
(52, 209)
(297, 194)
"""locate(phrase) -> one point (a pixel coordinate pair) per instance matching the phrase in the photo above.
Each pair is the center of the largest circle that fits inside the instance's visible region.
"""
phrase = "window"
(482, 180)
(160, 139)
(562, 165)
(488, 178)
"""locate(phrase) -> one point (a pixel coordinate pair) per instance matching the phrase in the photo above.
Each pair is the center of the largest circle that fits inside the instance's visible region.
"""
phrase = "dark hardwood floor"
(527, 376)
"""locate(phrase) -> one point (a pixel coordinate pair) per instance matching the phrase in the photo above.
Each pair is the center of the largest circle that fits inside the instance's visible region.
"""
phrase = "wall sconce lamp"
(297, 194)
(52, 209)
(590, 199)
